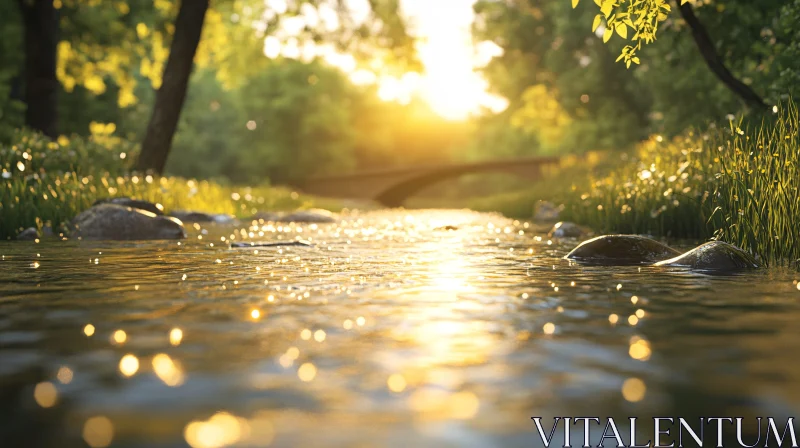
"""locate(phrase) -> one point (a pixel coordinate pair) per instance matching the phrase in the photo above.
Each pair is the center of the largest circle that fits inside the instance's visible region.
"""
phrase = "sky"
(449, 83)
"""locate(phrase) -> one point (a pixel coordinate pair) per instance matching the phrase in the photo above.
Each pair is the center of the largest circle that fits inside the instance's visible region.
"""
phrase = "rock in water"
(716, 256)
(115, 222)
(314, 215)
(189, 216)
(566, 230)
(239, 245)
(447, 228)
(156, 209)
(28, 234)
(621, 250)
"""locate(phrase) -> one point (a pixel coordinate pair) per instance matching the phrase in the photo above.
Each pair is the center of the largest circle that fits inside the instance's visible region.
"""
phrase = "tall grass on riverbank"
(738, 184)
(46, 182)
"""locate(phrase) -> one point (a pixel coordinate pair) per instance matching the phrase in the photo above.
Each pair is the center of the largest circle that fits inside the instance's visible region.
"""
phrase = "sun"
(449, 82)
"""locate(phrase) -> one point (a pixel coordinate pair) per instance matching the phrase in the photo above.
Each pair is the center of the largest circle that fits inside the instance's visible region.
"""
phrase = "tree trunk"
(40, 20)
(714, 61)
(172, 93)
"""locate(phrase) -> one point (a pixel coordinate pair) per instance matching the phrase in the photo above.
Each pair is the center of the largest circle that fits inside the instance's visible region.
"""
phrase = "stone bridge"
(391, 187)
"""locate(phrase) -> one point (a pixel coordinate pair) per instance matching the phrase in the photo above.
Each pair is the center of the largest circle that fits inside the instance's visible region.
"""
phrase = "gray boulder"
(115, 222)
(715, 256)
(156, 209)
(621, 250)
(314, 215)
(190, 216)
(566, 230)
(29, 234)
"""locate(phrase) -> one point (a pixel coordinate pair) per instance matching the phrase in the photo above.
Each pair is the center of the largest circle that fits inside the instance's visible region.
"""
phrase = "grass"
(738, 184)
(48, 182)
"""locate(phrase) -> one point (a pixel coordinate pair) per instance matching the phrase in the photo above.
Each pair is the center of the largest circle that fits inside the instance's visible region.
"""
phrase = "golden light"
(255, 314)
(639, 349)
(167, 370)
(396, 383)
(307, 372)
(45, 394)
(613, 318)
(64, 375)
(319, 335)
(222, 429)
(549, 328)
(175, 336)
(98, 432)
(88, 330)
(633, 390)
(128, 365)
(119, 337)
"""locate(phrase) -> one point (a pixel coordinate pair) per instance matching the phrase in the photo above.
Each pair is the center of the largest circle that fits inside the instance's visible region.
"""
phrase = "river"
(389, 331)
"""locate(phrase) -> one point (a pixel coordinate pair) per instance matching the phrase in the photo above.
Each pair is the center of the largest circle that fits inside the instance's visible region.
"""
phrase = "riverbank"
(737, 183)
(47, 183)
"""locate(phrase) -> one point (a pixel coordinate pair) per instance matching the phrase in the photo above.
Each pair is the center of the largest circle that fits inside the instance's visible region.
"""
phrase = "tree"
(40, 22)
(172, 93)
(643, 18)
(713, 59)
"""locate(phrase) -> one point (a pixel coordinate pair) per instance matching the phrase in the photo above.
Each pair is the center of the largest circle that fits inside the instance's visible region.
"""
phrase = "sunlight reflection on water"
(388, 331)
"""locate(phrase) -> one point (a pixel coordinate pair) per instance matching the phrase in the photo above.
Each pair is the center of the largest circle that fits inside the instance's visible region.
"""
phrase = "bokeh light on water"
(391, 330)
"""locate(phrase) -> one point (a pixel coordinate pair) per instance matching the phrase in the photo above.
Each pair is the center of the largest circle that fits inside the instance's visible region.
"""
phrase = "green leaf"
(598, 19)
(575, 3)
(607, 35)
(622, 30)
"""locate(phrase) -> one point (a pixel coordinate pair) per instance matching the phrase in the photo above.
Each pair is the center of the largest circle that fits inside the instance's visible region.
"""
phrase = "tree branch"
(714, 60)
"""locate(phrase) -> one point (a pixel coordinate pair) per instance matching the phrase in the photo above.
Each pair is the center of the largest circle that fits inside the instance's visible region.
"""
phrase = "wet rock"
(714, 256)
(315, 215)
(115, 222)
(446, 228)
(248, 244)
(29, 234)
(190, 216)
(621, 250)
(547, 211)
(265, 216)
(566, 230)
(156, 209)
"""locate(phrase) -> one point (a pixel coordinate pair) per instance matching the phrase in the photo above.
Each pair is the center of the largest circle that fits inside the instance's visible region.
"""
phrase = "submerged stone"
(621, 250)
(566, 230)
(156, 209)
(238, 245)
(446, 228)
(715, 256)
(115, 222)
(314, 215)
(191, 216)
(29, 234)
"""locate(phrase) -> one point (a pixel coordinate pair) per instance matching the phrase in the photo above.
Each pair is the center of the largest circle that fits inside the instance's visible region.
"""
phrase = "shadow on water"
(386, 331)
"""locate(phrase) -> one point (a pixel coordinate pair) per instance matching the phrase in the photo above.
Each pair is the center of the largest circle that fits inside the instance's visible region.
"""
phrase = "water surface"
(387, 332)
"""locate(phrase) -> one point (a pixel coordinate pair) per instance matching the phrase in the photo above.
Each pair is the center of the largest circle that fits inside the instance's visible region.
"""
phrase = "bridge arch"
(393, 186)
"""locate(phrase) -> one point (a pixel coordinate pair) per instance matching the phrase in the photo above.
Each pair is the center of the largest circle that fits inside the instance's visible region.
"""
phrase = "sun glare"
(449, 83)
